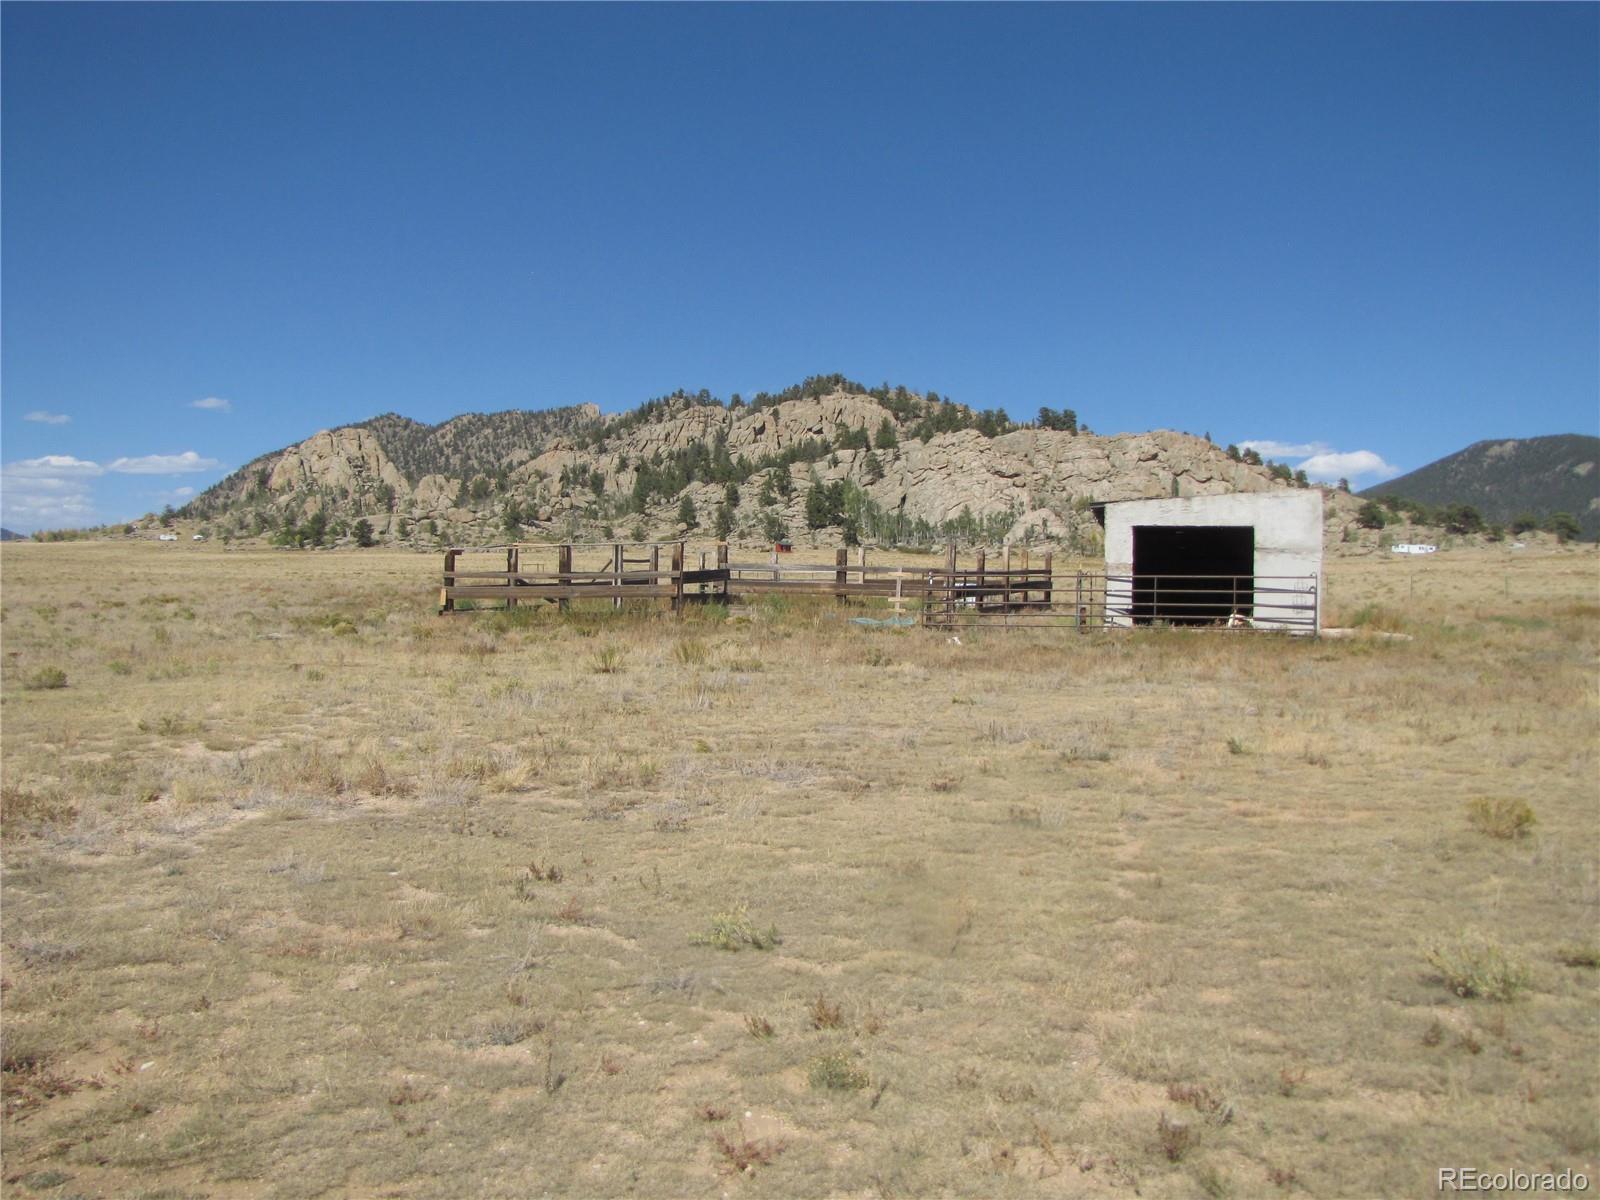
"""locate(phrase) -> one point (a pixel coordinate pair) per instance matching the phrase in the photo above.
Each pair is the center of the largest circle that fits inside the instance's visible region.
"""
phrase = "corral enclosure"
(309, 892)
(1181, 576)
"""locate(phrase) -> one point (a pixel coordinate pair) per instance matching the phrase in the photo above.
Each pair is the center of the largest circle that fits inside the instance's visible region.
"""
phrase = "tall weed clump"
(1474, 965)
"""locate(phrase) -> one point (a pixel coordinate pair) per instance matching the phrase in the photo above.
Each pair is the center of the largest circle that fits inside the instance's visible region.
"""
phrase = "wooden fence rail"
(1007, 591)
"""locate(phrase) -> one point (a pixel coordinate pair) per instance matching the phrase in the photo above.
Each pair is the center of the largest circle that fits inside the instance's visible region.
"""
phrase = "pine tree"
(686, 513)
(1372, 516)
(1564, 525)
(313, 529)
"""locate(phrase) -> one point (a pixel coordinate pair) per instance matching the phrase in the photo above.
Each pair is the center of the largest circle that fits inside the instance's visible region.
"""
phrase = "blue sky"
(1330, 230)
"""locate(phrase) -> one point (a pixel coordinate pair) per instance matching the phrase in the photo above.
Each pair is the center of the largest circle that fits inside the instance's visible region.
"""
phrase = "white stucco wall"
(1288, 539)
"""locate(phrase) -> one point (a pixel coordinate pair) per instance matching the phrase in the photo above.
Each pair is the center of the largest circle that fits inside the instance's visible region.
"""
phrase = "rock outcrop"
(580, 475)
(343, 461)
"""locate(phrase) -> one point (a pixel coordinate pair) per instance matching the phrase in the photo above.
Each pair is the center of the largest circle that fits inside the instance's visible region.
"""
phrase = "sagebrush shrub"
(45, 679)
(836, 1072)
(1476, 965)
(1503, 818)
(734, 931)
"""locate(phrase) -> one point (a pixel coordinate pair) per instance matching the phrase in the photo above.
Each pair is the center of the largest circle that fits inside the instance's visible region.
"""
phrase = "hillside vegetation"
(829, 457)
(1521, 483)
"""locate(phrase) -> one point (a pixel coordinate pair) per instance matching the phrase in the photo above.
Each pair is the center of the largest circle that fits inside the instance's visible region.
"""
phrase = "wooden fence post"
(950, 583)
(511, 576)
(677, 577)
(616, 574)
(1049, 579)
(564, 571)
(1023, 560)
(983, 559)
(722, 566)
(841, 572)
(447, 602)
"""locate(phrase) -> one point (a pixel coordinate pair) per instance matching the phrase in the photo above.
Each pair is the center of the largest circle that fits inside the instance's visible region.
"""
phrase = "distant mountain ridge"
(829, 456)
(1507, 478)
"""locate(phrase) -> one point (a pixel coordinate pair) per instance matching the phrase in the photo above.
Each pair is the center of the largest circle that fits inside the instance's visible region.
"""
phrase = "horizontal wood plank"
(555, 592)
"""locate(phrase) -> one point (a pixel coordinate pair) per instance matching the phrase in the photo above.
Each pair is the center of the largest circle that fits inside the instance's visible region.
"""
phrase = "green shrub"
(607, 660)
(836, 1073)
(45, 679)
(734, 931)
(1502, 818)
(1475, 965)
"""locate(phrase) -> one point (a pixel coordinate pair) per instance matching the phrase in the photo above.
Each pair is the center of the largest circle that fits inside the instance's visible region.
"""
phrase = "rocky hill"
(828, 460)
(1511, 479)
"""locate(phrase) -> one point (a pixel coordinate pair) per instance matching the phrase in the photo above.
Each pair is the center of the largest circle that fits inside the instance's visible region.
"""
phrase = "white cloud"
(52, 466)
(46, 418)
(163, 464)
(213, 404)
(53, 490)
(1321, 462)
(1270, 449)
(1349, 464)
(37, 493)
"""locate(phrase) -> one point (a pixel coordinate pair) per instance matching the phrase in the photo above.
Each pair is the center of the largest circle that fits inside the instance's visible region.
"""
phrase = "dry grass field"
(308, 891)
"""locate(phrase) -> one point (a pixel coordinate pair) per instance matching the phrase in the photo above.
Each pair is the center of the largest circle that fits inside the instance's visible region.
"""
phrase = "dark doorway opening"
(1193, 574)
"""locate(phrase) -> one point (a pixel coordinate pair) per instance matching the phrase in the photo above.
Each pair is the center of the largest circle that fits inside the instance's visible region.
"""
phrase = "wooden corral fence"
(614, 571)
(1007, 589)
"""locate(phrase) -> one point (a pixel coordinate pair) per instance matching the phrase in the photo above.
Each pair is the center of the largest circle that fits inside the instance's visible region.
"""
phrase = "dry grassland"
(309, 892)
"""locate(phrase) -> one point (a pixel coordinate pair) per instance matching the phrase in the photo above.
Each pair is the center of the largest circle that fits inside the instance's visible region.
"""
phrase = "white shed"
(1245, 558)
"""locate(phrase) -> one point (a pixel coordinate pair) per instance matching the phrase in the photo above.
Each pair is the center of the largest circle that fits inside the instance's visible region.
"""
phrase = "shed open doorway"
(1193, 574)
